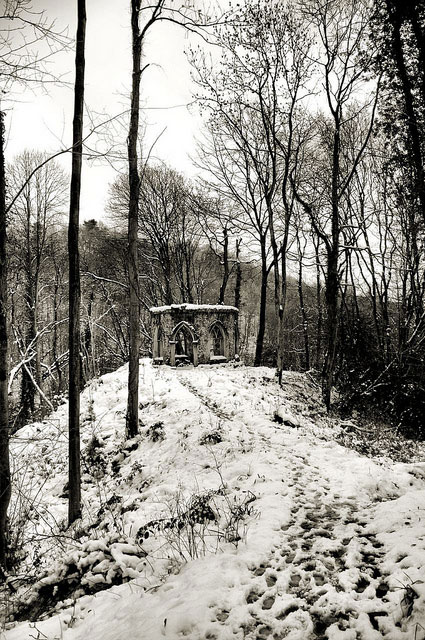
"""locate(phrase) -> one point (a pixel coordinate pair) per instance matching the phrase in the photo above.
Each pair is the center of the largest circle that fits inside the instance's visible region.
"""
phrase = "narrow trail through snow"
(326, 540)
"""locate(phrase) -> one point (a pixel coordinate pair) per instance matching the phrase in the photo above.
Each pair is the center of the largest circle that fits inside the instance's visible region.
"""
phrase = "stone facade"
(199, 334)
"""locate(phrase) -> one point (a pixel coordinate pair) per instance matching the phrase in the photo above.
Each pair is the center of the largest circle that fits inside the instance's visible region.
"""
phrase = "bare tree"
(20, 64)
(74, 504)
(342, 28)
(216, 221)
(28, 41)
(132, 418)
(399, 27)
(33, 217)
(168, 222)
(5, 488)
(190, 19)
(252, 98)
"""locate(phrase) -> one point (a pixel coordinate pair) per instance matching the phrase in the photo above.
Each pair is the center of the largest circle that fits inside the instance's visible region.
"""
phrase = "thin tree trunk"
(74, 504)
(55, 353)
(5, 487)
(166, 268)
(262, 314)
(331, 296)
(37, 345)
(225, 267)
(89, 369)
(187, 262)
(132, 420)
(28, 393)
(283, 287)
(332, 278)
(238, 282)
(303, 311)
(277, 294)
(319, 307)
(27, 399)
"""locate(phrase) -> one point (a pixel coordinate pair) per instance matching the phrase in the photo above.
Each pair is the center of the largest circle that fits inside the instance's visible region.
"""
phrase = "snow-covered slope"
(234, 514)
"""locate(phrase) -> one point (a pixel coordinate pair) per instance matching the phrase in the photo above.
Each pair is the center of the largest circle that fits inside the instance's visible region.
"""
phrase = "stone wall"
(198, 333)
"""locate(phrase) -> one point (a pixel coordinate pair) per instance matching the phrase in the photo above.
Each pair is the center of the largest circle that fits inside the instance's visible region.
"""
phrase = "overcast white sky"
(44, 122)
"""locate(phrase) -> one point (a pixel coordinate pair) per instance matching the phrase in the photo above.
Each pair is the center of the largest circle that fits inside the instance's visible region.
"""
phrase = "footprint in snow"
(252, 597)
(268, 602)
(271, 581)
(222, 615)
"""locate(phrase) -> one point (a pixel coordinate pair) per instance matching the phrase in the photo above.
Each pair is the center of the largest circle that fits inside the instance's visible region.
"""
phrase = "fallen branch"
(351, 425)
(42, 395)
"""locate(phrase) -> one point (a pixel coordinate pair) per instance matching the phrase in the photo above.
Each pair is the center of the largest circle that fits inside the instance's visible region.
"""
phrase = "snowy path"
(334, 548)
(328, 548)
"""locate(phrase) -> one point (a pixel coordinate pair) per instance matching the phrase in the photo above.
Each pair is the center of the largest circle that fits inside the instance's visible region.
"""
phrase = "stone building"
(199, 334)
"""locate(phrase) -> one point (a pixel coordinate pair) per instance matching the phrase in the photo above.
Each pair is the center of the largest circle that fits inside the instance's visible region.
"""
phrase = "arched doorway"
(184, 345)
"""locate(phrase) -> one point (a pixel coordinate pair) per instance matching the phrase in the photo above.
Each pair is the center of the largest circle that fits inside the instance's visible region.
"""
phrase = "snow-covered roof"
(193, 307)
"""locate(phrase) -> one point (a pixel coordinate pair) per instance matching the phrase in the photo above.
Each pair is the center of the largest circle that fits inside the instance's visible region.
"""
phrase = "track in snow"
(326, 573)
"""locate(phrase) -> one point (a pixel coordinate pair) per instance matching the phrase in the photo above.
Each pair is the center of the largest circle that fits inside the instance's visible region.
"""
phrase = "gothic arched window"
(217, 340)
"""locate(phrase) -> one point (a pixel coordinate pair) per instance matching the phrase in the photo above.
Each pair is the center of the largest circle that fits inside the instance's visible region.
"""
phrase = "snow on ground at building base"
(234, 514)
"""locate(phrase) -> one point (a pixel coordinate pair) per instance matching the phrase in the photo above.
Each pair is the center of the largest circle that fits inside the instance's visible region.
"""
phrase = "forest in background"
(311, 161)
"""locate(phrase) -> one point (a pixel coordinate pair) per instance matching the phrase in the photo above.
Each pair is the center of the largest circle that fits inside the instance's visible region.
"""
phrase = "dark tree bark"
(238, 285)
(5, 488)
(395, 16)
(29, 372)
(302, 307)
(132, 420)
(332, 278)
(263, 303)
(55, 352)
(74, 505)
(318, 305)
(225, 266)
(238, 281)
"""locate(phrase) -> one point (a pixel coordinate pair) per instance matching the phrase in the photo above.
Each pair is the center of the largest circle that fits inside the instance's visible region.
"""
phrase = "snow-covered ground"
(235, 514)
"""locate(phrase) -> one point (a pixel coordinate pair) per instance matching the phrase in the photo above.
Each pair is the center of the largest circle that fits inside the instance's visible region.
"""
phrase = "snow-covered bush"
(156, 432)
(91, 566)
(194, 526)
(211, 437)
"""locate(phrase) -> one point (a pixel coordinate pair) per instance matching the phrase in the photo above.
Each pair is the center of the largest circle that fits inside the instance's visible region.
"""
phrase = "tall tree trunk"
(284, 287)
(132, 420)
(55, 353)
(263, 302)
(27, 399)
(225, 267)
(167, 270)
(277, 293)
(89, 368)
(318, 306)
(5, 488)
(74, 504)
(238, 281)
(331, 297)
(187, 263)
(28, 390)
(332, 276)
(394, 10)
(37, 347)
(303, 309)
